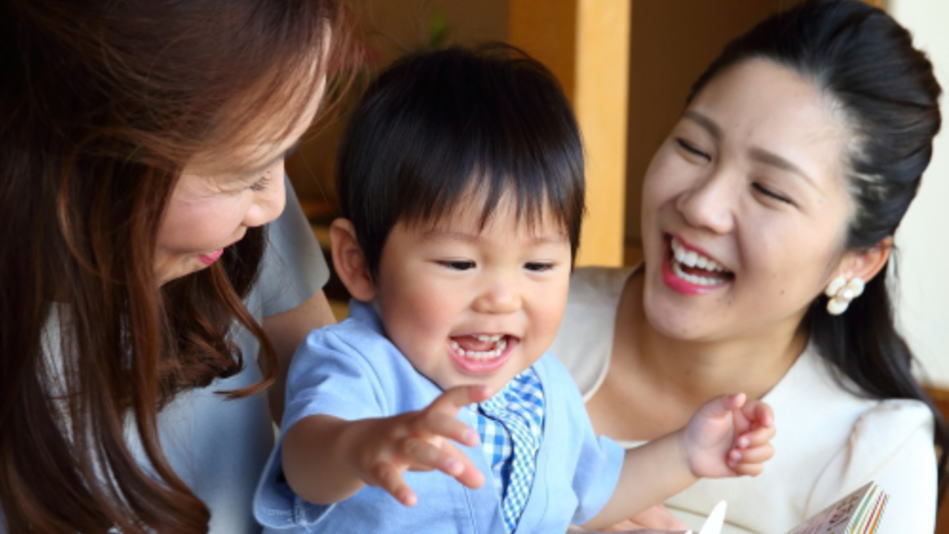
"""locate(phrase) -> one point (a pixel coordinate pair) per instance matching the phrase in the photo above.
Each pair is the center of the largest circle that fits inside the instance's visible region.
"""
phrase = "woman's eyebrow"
(704, 122)
(770, 158)
(264, 166)
(759, 154)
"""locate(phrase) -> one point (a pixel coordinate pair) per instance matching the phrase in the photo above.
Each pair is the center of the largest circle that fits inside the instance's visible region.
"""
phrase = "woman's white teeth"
(694, 278)
(691, 258)
(500, 345)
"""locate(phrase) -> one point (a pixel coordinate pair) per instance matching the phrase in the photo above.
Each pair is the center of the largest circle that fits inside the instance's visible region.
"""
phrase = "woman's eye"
(538, 266)
(261, 185)
(457, 265)
(692, 149)
(771, 194)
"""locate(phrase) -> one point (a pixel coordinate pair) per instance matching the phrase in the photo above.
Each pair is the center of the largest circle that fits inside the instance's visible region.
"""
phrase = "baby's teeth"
(479, 354)
(485, 338)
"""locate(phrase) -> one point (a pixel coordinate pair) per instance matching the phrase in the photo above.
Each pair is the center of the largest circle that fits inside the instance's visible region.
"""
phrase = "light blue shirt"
(352, 371)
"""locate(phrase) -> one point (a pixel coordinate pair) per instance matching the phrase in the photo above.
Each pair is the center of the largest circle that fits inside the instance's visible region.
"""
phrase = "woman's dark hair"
(437, 126)
(103, 104)
(866, 62)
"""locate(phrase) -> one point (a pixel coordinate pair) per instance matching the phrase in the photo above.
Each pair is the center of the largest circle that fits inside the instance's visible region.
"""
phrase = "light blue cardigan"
(352, 371)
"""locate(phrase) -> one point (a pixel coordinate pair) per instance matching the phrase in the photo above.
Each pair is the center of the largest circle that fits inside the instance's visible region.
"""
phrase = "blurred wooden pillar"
(586, 45)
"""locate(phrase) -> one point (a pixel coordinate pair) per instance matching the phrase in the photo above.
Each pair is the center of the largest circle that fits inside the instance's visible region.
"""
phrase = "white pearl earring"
(840, 291)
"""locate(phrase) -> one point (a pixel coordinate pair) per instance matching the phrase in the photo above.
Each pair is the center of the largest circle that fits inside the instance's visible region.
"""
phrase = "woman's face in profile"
(209, 211)
(207, 214)
(745, 206)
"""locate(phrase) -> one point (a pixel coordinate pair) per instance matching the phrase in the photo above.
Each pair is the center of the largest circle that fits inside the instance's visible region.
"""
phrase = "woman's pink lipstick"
(678, 283)
(211, 257)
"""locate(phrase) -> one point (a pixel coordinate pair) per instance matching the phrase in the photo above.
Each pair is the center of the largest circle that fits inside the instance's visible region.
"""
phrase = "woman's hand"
(417, 441)
(653, 518)
(729, 436)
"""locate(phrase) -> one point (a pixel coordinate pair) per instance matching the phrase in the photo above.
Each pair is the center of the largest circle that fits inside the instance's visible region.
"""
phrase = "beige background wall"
(923, 239)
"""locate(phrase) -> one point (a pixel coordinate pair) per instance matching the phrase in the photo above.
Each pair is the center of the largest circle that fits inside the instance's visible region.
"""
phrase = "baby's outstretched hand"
(419, 441)
(729, 436)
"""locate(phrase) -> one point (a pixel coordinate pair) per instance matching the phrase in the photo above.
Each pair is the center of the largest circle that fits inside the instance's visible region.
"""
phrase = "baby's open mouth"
(479, 346)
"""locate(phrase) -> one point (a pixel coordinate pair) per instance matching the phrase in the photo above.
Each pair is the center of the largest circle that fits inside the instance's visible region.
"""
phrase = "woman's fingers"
(656, 517)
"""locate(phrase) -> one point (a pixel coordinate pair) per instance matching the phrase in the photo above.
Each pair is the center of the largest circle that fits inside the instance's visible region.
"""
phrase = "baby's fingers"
(446, 458)
(750, 461)
(389, 477)
(430, 422)
(455, 398)
(755, 438)
(759, 414)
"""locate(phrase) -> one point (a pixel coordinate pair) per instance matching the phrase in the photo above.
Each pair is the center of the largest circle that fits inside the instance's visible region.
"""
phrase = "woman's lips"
(691, 279)
(211, 257)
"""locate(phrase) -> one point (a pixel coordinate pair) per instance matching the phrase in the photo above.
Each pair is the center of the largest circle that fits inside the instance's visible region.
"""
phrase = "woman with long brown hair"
(141, 155)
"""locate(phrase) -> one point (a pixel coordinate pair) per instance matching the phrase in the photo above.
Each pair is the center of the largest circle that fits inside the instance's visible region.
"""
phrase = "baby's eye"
(538, 266)
(457, 265)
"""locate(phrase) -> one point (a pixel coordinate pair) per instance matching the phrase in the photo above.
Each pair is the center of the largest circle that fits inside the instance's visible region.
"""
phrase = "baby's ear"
(349, 260)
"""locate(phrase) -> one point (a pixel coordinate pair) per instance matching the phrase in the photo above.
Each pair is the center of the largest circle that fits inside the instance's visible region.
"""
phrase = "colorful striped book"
(857, 513)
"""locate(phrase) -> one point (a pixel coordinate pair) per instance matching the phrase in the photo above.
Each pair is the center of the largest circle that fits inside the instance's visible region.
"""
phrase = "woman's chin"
(170, 273)
(677, 321)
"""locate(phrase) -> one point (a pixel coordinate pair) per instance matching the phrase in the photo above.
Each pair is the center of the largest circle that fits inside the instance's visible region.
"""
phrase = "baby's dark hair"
(438, 126)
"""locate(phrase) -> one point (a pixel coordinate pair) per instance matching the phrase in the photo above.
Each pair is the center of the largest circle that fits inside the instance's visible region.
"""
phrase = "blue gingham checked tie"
(510, 425)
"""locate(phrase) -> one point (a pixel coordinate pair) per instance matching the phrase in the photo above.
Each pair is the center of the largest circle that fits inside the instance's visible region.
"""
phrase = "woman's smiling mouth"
(687, 270)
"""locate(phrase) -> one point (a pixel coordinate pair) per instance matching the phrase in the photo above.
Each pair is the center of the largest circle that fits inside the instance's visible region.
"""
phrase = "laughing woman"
(768, 217)
(141, 155)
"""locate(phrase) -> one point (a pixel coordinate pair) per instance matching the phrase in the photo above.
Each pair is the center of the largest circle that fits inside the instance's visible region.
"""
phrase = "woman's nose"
(709, 203)
(267, 204)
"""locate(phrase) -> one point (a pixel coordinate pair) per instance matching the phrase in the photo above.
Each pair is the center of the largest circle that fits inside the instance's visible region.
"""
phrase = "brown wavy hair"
(102, 105)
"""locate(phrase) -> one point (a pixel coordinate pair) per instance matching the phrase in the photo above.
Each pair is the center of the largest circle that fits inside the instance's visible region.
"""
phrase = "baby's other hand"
(729, 436)
(418, 441)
